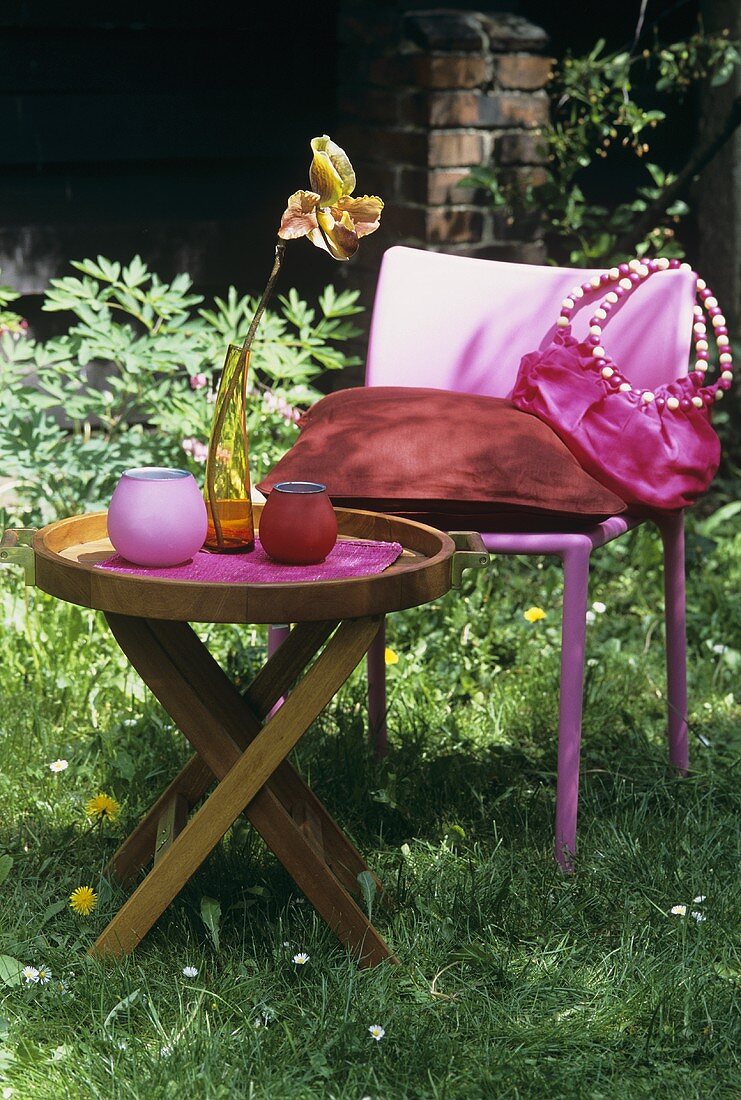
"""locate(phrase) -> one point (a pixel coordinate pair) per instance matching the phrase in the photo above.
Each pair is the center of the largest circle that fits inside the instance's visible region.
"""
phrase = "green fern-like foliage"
(130, 380)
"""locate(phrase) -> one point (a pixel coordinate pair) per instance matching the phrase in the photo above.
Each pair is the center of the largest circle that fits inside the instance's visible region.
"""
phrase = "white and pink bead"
(624, 277)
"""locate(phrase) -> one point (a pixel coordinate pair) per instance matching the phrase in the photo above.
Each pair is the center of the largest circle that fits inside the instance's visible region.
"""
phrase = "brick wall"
(425, 97)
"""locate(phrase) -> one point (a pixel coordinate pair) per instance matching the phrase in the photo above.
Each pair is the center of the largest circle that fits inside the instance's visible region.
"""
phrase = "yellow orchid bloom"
(331, 173)
(328, 214)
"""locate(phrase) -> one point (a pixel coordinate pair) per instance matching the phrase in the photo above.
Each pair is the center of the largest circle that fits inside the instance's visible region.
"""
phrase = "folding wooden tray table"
(238, 742)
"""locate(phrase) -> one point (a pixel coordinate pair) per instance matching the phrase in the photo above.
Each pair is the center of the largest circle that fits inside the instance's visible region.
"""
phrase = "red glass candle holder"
(298, 525)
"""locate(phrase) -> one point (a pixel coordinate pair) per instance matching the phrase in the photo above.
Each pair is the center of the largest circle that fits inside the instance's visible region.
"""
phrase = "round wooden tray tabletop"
(67, 552)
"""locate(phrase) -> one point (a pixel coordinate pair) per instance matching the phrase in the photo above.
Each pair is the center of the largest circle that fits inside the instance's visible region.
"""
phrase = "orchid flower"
(328, 214)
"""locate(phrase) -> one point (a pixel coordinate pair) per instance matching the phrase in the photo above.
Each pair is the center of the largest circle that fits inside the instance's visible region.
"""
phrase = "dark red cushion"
(433, 452)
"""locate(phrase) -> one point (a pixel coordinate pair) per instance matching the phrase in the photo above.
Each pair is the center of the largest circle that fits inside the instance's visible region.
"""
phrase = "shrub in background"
(130, 381)
(606, 108)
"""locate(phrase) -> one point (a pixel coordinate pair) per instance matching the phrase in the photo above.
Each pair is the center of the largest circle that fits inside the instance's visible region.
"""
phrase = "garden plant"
(608, 110)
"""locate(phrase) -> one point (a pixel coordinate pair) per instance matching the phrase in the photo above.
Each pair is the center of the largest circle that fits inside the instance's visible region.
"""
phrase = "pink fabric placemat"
(348, 558)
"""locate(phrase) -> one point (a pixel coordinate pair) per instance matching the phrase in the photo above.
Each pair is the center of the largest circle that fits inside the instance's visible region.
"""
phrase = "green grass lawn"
(516, 981)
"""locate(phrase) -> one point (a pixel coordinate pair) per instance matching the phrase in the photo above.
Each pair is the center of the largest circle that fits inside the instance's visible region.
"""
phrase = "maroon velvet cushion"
(434, 452)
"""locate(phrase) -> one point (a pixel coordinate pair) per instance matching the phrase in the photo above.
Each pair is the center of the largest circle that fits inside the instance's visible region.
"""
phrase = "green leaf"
(368, 888)
(723, 74)
(88, 267)
(6, 863)
(136, 273)
(211, 917)
(343, 304)
(10, 970)
(120, 1007)
(730, 973)
(52, 910)
(110, 270)
(658, 175)
(722, 515)
(7, 294)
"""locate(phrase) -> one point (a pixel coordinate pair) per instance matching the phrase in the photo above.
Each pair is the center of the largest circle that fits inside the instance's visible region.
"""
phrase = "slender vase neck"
(230, 410)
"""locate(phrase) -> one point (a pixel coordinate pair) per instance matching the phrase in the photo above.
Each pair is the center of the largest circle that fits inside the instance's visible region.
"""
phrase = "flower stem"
(280, 249)
(238, 379)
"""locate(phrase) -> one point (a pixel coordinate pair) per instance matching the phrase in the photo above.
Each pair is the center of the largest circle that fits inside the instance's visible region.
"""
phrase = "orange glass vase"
(228, 499)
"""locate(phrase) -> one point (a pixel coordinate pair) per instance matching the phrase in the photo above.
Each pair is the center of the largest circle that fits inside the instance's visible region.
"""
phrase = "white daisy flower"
(719, 648)
(699, 899)
(591, 617)
(30, 975)
(43, 975)
(377, 1032)
(301, 958)
(678, 910)
(599, 607)
(697, 915)
(190, 971)
(57, 766)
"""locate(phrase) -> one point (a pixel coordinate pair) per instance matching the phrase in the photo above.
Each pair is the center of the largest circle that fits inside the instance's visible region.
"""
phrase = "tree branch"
(694, 166)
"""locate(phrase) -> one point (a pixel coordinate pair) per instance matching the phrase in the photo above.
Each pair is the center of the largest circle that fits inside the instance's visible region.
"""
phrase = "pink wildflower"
(272, 403)
(196, 449)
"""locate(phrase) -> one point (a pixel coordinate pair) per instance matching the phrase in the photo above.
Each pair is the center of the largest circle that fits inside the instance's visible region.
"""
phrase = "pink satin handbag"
(655, 449)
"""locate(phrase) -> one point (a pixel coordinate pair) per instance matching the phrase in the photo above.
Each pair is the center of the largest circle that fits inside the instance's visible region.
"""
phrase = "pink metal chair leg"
(574, 551)
(573, 639)
(672, 536)
(377, 729)
(277, 634)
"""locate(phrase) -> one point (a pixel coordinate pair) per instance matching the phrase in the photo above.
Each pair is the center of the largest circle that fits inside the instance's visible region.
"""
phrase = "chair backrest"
(455, 323)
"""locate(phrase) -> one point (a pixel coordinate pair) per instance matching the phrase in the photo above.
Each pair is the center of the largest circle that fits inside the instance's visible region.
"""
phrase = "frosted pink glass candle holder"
(157, 516)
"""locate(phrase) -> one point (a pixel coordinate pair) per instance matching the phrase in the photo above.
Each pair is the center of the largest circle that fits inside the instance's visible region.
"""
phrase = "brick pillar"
(426, 96)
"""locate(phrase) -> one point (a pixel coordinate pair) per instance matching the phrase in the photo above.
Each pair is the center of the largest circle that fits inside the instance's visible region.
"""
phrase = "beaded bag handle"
(626, 277)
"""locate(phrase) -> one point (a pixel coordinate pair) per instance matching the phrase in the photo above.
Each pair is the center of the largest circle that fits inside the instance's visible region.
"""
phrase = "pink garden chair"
(450, 322)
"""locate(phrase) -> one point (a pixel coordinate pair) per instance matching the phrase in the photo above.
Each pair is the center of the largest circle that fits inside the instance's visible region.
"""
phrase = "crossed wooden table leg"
(248, 759)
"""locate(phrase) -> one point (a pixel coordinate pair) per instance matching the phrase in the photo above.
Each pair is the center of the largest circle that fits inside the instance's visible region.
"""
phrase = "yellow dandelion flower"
(390, 657)
(83, 900)
(102, 808)
(533, 614)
